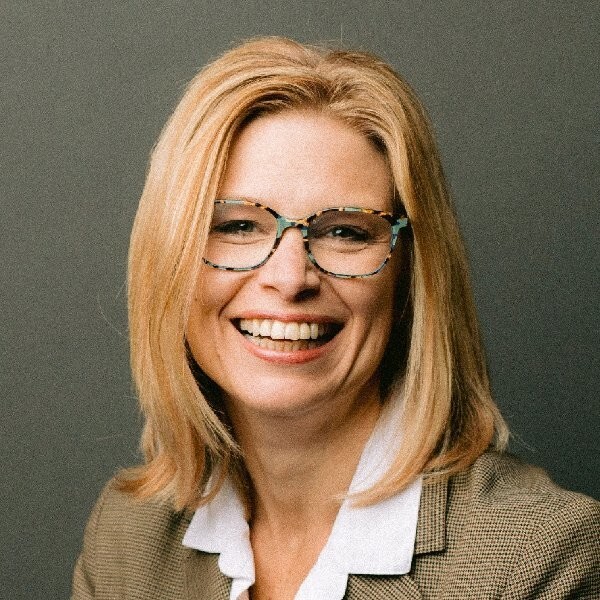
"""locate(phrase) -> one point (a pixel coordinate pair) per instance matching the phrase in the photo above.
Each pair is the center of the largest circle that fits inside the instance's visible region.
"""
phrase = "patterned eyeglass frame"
(283, 224)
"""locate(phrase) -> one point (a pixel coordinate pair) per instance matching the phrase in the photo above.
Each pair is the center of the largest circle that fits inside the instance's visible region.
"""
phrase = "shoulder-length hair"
(435, 356)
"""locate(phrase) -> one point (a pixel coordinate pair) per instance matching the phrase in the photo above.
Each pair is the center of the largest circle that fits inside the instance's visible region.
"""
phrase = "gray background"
(512, 88)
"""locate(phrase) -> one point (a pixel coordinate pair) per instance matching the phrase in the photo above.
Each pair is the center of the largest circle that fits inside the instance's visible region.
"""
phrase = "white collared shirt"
(373, 540)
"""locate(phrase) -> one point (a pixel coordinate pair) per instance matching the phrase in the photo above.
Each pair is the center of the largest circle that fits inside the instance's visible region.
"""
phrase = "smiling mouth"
(286, 337)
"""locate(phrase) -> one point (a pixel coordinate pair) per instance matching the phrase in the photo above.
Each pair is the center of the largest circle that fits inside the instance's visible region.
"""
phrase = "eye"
(340, 233)
(238, 227)
(348, 233)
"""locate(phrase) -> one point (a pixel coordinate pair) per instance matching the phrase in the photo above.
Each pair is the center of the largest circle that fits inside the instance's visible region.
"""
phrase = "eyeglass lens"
(341, 242)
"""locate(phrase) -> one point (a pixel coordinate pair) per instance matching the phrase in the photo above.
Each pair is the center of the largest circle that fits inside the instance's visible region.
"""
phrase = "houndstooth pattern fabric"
(500, 530)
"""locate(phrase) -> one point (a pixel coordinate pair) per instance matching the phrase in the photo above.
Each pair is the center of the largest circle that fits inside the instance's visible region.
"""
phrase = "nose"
(289, 270)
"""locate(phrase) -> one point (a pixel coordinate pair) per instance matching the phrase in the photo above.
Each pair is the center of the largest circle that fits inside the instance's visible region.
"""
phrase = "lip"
(293, 357)
(288, 317)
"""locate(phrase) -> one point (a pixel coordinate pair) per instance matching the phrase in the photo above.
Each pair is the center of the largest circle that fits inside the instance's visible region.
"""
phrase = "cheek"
(211, 296)
(197, 331)
(208, 288)
(386, 284)
(379, 303)
(214, 290)
(373, 305)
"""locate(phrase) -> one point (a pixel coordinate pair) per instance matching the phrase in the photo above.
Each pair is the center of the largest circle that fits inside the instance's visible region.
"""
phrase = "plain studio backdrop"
(512, 89)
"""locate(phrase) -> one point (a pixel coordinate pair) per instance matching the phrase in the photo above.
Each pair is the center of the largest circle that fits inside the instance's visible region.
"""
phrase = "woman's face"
(296, 163)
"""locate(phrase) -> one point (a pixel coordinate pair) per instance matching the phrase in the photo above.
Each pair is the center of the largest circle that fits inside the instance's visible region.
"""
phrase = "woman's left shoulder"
(509, 520)
(504, 481)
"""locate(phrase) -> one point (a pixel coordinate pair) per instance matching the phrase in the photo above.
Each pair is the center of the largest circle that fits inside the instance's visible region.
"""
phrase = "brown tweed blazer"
(501, 530)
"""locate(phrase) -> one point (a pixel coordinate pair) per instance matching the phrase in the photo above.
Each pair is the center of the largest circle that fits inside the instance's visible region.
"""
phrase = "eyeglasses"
(345, 242)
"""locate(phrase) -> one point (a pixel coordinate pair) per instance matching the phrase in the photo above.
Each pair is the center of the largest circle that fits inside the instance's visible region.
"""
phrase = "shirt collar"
(374, 540)
(219, 527)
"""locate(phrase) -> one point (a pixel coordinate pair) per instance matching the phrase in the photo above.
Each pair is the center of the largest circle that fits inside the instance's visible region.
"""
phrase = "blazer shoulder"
(504, 480)
(121, 516)
(132, 548)
(511, 524)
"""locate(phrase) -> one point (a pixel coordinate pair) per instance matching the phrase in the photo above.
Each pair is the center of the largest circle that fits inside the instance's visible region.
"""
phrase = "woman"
(319, 423)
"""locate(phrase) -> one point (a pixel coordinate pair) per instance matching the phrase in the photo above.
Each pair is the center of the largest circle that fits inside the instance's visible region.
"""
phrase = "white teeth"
(265, 328)
(292, 331)
(278, 330)
(255, 327)
(304, 331)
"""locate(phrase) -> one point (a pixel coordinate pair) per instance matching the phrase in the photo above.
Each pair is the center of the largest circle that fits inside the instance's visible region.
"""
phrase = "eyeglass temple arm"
(399, 224)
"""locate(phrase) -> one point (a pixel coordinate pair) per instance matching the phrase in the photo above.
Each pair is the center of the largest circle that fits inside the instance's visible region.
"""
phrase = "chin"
(276, 400)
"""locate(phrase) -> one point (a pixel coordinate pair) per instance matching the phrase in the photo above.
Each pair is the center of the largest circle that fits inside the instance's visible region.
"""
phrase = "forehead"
(302, 162)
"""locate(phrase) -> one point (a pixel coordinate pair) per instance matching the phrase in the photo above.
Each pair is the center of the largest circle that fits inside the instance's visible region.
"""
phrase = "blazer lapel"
(203, 579)
(431, 537)
(431, 522)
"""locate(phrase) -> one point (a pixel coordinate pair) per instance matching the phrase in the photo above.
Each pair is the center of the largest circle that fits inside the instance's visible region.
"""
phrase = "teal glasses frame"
(397, 223)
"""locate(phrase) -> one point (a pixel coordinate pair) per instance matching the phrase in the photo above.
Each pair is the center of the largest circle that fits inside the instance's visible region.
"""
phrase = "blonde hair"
(435, 357)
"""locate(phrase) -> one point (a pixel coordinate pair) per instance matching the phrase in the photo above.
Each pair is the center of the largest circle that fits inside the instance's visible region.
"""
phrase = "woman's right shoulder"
(120, 515)
(129, 543)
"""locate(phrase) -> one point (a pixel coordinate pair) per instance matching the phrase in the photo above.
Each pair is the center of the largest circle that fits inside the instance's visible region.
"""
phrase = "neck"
(301, 464)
